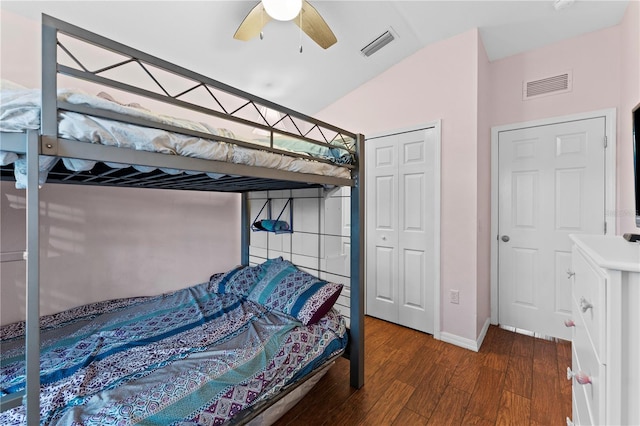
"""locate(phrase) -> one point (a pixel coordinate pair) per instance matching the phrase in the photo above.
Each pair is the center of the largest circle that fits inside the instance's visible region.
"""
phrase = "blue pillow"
(285, 288)
(238, 281)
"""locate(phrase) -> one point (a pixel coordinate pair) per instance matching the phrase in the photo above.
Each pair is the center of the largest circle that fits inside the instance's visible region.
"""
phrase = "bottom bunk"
(217, 352)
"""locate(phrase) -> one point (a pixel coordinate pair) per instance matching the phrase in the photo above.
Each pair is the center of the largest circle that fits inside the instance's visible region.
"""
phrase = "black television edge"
(636, 161)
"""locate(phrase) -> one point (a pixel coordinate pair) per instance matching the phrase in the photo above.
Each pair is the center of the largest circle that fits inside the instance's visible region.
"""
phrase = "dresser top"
(610, 252)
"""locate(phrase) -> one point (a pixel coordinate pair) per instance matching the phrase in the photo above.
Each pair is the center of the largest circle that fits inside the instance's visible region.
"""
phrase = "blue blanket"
(189, 357)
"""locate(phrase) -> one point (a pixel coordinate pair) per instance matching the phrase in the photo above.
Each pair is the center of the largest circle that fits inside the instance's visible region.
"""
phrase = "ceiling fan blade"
(315, 27)
(252, 24)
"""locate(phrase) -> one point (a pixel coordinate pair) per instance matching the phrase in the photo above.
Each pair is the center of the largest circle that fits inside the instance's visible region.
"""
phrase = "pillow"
(107, 96)
(214, 280)
(285, 288)
(238, 281)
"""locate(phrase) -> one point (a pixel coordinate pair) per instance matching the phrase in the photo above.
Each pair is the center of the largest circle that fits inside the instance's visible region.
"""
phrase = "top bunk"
(153, 124)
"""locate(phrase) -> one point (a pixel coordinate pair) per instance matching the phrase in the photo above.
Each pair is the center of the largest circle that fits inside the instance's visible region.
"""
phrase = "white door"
(401, 225)
(551, 184)
(382, 228)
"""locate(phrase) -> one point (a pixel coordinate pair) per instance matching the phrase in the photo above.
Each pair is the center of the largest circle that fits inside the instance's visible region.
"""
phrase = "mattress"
(20, 111)
(195, 356)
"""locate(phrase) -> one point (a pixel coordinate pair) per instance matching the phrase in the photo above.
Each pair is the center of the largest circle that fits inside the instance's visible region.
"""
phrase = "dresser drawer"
(589, 289)
(584, 360)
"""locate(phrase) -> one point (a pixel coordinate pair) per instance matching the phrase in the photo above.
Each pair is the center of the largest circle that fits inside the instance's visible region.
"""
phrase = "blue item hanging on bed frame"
(276, 226)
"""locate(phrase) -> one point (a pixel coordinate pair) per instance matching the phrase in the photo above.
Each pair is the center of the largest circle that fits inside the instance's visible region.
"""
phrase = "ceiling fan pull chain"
(300, 33)
(262, 23)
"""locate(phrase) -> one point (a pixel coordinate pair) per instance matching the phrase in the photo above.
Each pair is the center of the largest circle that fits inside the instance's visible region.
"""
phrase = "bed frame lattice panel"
(168, 83)
(103, 175)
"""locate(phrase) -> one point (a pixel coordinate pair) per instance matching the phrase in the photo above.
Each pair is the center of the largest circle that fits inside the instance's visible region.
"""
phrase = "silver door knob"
(384, 238)
(505, 238)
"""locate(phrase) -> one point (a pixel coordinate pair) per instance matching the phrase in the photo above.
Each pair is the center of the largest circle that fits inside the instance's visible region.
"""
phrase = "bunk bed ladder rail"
(357, 268)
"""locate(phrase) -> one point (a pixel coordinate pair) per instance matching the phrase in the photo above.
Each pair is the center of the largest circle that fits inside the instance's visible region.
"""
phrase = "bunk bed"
(306, 153)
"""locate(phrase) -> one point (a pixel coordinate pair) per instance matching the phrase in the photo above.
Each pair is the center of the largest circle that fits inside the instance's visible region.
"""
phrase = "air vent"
(557, 84)
(381, 41)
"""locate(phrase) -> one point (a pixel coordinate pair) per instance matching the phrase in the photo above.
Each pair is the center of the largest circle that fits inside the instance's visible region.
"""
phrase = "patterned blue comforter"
(189, 357)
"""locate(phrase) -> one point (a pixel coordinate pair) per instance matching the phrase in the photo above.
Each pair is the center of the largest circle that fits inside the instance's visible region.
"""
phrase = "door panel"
(551, 182)
(413, 287)
(382, 231)
(569, 186)
(526, 261)
(414, 205)
(525, 194)
(385, 213)
(416, 309)
(400, 223)
(384, 264)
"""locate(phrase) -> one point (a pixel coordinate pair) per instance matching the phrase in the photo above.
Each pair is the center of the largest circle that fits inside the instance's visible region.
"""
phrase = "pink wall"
(484, 189)
(20, 42)
(594, 59)
(437, 82)
(97, 243)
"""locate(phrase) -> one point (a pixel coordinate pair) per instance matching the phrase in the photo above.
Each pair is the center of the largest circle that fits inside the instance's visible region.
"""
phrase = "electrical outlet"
(454, 296)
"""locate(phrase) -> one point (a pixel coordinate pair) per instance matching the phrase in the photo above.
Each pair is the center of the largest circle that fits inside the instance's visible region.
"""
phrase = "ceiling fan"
(299, 11)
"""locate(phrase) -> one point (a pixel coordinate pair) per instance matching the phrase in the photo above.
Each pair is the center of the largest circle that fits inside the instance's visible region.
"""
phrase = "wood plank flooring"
(413, 379)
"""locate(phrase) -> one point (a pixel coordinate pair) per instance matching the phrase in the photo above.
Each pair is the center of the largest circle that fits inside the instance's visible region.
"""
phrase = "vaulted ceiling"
(199, 35)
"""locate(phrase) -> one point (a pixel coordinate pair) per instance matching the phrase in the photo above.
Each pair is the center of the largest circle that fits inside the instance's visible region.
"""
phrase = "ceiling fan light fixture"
(282, 10)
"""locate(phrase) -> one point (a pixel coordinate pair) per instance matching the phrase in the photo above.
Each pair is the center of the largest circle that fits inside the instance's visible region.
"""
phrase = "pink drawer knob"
(581, 377)
(569, 323)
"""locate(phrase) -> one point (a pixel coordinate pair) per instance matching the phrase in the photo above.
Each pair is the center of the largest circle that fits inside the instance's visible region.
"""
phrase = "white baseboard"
(483, 332)
(463, 342)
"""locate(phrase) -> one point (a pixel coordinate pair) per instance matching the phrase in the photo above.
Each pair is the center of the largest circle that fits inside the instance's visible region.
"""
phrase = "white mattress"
(20, 110)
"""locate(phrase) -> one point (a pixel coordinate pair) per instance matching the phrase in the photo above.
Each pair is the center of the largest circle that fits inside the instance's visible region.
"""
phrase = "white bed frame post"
(356, 352)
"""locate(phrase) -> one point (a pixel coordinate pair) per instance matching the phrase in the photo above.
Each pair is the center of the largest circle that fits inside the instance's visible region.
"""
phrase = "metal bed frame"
(239, 178)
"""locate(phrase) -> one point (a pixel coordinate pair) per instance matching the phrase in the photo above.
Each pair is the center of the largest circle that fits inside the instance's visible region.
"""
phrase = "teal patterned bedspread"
(189, 357)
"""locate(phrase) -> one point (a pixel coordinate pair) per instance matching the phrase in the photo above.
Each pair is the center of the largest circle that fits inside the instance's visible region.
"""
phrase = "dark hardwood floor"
(412, 379)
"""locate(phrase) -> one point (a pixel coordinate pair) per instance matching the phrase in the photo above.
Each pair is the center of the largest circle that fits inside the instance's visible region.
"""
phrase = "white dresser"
(605, 367)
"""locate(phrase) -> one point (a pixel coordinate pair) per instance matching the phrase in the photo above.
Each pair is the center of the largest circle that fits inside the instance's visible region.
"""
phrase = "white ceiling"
(199, 35)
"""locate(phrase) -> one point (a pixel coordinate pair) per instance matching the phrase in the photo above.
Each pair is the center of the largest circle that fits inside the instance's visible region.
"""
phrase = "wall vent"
(561, 83)
(378, 43)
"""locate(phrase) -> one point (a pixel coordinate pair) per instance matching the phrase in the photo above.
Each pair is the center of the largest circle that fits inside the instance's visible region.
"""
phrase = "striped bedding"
(190, 357)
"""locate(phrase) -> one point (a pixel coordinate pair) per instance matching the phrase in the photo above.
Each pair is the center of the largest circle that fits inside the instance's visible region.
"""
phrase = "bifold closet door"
(400, 229)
